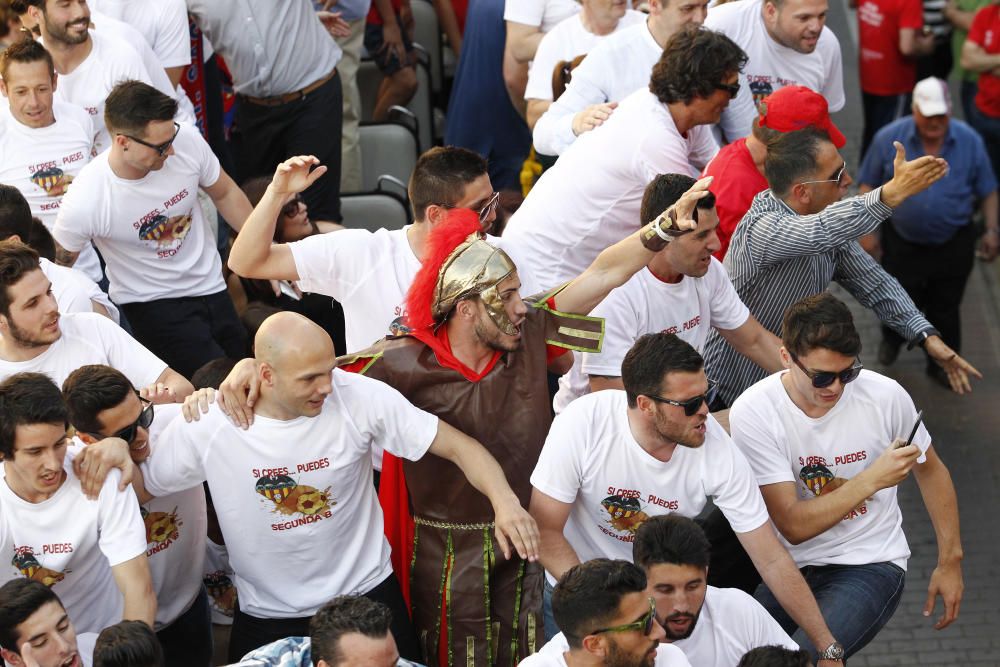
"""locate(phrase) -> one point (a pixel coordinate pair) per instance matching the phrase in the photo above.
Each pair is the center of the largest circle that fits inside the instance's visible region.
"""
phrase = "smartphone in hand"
(913, 432)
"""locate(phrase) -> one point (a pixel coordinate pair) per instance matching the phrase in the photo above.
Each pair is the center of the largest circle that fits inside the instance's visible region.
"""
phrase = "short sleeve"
(528, 12)
(394, 423)
(540, 76)
(622, 327)
(209, 168)
(756, 435)
(876, 166)
(727, 309)
(732, 485)
(985, 178)
(173, 42)
(76, 221)
(126, 354)
(122, 533)
(980, 24)
(176, 462)
(324, 262)
(911, 14)
(904, 415)
(833, 89)
(559, 471)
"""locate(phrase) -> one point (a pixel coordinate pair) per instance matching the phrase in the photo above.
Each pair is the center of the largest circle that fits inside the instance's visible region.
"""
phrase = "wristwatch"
(921, 338)
(833, 652)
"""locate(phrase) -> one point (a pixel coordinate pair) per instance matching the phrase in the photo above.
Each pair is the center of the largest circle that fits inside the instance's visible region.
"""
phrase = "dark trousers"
(880, 110)
(187, 642)
(938, 63)
(187, 332)
(934, 276)
(250, 633)
(264, 136)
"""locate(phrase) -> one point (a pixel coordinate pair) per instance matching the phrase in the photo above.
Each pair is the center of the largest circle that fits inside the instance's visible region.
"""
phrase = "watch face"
(833, 652)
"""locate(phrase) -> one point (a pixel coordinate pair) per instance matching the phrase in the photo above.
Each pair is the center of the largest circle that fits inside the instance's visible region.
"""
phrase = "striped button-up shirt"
(777, 257)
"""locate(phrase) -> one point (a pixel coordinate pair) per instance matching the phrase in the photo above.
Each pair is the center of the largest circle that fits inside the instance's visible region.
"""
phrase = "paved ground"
(965, 434)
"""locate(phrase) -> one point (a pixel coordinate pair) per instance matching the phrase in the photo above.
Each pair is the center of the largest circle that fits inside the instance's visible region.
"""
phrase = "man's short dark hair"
(666, 189)
(41, 240)
(670, 539)
(128, 644)
(775, 656)
(588, 595)
(25, 51)
(792, 157)
(19, 599)
(89, 391)
(213, 373)
(441, 175)
(132, 105)
(820, 321)
(341, 616)
(15, 214)
(16, 260)
(651, 358)
(693, 63)
(27, 399)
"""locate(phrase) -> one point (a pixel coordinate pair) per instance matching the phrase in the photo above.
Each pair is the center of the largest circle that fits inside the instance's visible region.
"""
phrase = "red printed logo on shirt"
(819, 481)
(51, 178)
(286, 496)
(162, 529)
(221, 591)
(24, 560)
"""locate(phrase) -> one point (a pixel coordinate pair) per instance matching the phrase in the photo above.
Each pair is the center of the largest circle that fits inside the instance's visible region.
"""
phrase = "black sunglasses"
(822, 379)
(291, 208)
(732, 88)
(160, 149)
(144, 420)
(692, 405)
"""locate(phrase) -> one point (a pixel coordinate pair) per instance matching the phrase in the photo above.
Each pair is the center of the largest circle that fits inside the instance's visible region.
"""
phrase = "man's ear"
(86, 438)
(786, 357)
(594, 645)
(11, 658)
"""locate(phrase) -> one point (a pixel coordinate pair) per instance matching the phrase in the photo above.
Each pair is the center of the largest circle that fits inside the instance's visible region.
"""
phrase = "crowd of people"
(595, 405)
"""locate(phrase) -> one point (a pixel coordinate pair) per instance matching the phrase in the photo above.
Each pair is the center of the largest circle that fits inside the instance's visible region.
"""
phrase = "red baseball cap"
(796, 108)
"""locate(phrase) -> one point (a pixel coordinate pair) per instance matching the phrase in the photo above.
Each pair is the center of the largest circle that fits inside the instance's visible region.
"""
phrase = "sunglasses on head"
(161, 149)
(691, 405)
(822, 379)
(144, 420)
(643, 625)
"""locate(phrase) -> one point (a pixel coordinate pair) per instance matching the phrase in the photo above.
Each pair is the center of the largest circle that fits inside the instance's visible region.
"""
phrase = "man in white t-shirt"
(91, 552)
(36, 631)
(713, 626)
(828, 444)
(527, 21)
(368, 273)
(590, 200)
(43, 142)
(614, 458)
(138, 203)
(573, 36)
(298, 482)
(608, 619)
(162, 23)
(787, 43)
(619, 66)
(34, 337)
(73, 290)
(104, 406)
(684, 291)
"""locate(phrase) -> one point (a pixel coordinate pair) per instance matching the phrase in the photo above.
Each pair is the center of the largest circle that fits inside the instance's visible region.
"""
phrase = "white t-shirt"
(615, 68)
(42, 163)
(591, 460)
(591, 199)
(369, 273)
(176, 526)
(85, 643)
(288, 491)
(566, 41)
(551, 655)
(110, 62)
(74, 291)
(150, 231)
(163, 23)
(730, 624)
(771, 66)
(89, 338)
(218, 580)
(785, 445)
(544, 14)
(71, 543)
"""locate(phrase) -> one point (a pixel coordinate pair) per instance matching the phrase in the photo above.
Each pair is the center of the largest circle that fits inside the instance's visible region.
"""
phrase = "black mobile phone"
(916, 425)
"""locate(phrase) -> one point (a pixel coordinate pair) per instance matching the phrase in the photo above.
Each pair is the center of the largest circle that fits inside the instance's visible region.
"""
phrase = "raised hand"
(296, 174)
(911, 177)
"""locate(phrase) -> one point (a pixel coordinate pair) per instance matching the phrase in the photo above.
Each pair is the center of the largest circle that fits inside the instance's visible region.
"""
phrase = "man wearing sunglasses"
(798, 236)
(138, 203)
(607, 619)
(828, 444)
(92, 552)
(107, 412)
(614, 458)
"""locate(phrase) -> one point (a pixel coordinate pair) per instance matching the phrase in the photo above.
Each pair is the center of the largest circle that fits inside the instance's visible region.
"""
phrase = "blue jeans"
(856, 601)
(989, 128)
(551, 629)
(187, 642)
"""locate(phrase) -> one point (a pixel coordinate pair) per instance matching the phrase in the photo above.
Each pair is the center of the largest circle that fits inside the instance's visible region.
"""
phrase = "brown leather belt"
(278, 100)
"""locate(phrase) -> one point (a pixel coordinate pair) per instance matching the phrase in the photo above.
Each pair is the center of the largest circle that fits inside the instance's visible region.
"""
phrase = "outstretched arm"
(755, 343)
(513, 523)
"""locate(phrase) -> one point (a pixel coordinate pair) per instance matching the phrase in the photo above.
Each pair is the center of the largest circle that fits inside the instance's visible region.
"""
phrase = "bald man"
(294, 492)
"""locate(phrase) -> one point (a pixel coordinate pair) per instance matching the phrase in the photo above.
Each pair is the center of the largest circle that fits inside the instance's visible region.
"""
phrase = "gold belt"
(451, 526)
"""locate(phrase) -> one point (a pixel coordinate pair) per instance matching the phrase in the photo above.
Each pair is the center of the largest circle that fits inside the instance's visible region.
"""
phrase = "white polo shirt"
(591, 199)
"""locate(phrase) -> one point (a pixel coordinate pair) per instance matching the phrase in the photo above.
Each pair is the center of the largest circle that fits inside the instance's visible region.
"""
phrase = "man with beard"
(713, 626)
(787, 43)
(608, 620)
(35, 337)
(615, 458)
(36, 631)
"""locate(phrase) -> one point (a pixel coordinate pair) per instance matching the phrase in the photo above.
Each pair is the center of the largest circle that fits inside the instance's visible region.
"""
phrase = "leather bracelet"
(657, 234)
